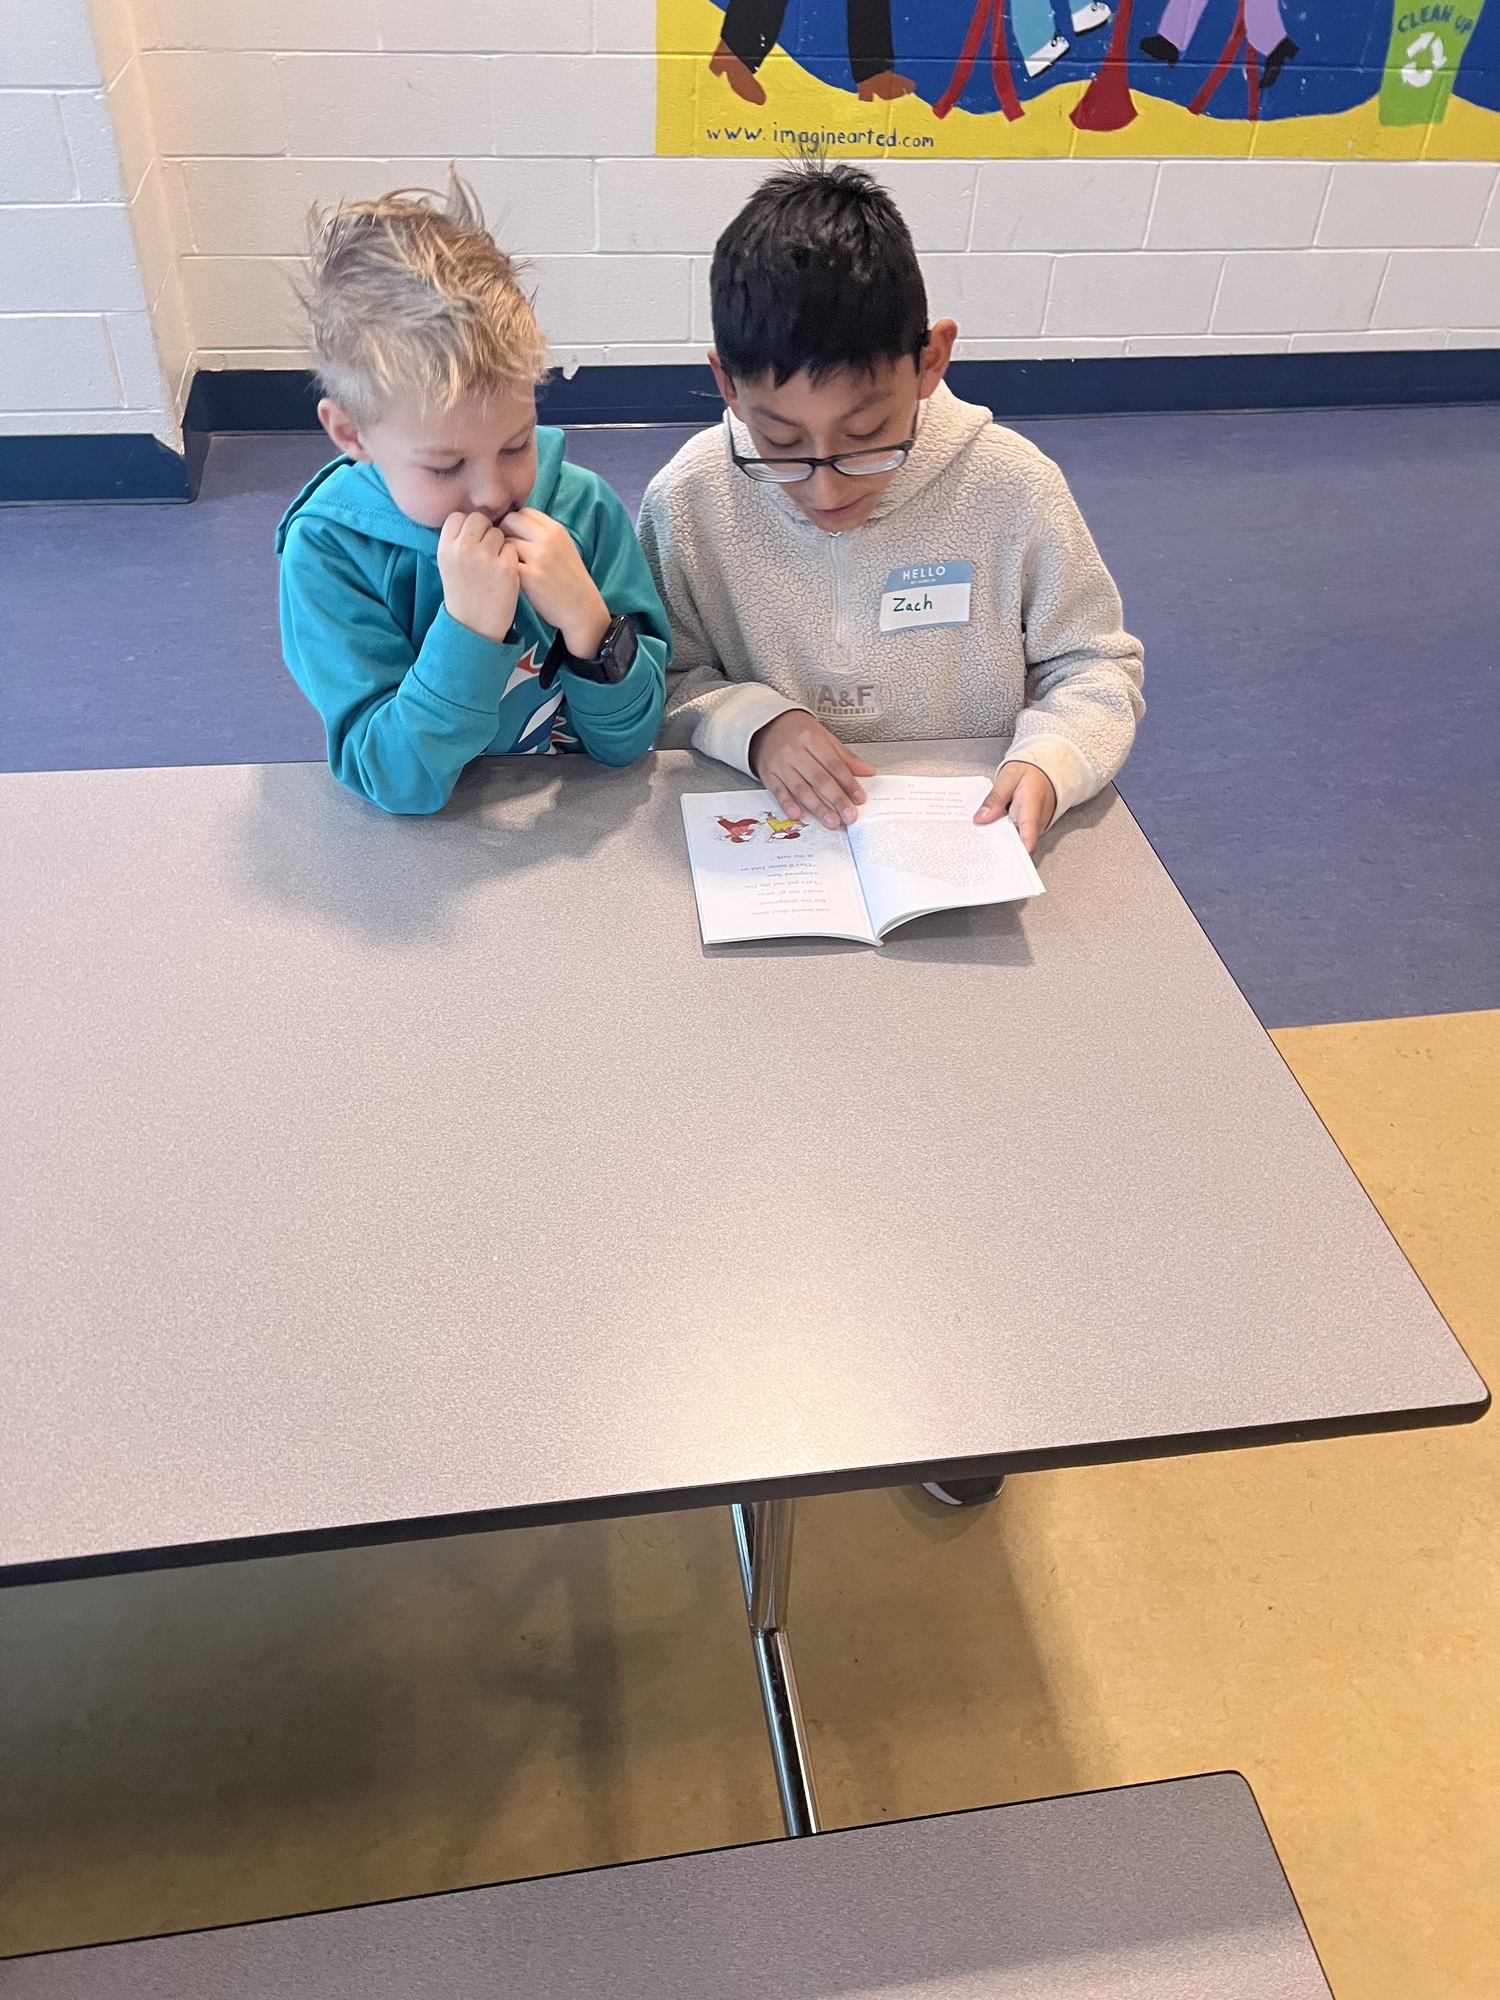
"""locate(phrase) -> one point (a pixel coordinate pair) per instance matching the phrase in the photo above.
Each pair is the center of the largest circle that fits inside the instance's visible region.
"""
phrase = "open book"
(914, 849)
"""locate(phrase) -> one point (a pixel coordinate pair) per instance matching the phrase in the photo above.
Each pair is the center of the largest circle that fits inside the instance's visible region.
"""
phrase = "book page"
(917, 850)
(757, 875)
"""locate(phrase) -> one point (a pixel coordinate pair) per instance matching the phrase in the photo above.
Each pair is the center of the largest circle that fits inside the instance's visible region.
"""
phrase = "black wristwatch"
(612, 662)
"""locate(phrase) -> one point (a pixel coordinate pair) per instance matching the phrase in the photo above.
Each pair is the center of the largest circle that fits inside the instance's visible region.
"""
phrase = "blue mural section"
(1311, 57)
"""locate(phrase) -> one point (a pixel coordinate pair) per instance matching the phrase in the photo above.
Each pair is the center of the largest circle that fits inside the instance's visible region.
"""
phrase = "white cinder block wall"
(76, 346)
(232, 118)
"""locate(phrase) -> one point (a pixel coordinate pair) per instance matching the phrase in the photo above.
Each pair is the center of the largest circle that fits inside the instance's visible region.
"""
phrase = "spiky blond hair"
(410, 292)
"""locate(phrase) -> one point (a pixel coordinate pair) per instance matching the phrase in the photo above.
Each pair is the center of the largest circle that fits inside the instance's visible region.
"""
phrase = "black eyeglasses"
(792, 471)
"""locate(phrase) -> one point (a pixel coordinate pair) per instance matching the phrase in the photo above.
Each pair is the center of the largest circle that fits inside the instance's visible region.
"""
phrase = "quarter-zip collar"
(838, 558)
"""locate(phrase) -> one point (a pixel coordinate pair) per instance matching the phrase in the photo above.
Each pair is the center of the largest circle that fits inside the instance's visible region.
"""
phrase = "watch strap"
(559, 657)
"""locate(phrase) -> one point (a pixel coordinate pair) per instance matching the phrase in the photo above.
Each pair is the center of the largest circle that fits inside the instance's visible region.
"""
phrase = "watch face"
(619, 649)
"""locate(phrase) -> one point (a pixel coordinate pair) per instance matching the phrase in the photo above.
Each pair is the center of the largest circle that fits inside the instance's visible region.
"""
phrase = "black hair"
(817, 271)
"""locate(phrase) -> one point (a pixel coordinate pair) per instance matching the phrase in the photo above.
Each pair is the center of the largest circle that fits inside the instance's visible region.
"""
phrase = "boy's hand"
(1028, 794)
(481, 576)
(557, 585)
(809, 770)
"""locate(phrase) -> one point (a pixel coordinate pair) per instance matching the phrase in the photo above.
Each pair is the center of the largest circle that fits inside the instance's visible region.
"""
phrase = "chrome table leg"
(763, 1534)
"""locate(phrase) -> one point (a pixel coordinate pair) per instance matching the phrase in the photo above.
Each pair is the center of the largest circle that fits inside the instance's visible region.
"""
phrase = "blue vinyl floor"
(1319, 766)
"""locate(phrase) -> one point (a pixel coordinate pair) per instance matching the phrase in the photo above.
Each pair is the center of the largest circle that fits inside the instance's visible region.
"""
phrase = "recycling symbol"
(1418, 73)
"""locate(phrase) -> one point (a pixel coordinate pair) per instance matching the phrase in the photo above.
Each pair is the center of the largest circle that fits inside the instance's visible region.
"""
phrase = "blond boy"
(451, 587)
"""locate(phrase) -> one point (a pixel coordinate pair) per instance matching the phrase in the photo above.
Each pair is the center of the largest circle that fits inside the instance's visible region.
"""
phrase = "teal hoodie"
(408, 696)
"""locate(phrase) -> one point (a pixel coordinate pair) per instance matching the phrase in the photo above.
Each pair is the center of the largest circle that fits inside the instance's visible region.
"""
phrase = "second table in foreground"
(1155, 1892)
(374, 1177)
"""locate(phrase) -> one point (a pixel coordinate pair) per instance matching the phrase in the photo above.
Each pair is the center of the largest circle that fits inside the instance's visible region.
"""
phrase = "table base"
(763, 1536)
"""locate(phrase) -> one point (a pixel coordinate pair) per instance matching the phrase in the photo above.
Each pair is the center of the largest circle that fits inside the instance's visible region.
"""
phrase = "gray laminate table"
(369, 1177)
(1156, 1892)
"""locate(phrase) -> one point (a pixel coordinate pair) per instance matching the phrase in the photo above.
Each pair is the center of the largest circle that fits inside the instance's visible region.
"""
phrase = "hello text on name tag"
(932, 593)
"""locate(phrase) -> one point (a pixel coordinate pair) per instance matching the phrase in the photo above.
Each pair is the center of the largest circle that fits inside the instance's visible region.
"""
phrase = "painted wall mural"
(891, 79)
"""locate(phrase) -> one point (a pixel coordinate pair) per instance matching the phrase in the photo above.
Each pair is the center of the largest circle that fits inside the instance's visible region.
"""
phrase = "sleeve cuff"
(463, 667)
(733, 717)
(1073, 777)
(590, 697)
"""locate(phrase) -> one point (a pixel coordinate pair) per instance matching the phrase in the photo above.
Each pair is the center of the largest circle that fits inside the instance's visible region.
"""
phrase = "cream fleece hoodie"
(769, 612)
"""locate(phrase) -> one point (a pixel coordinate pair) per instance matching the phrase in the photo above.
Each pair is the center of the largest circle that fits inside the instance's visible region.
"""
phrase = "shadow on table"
(989, 936)
(993, 935)
(396, 879)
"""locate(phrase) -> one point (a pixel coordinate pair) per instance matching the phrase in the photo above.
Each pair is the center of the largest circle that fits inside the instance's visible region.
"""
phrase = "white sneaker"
(1086, 19)
(1045, 58)
(964, 1492)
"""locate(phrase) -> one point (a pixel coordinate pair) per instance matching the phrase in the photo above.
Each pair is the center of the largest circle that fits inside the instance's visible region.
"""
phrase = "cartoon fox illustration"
(738, 830)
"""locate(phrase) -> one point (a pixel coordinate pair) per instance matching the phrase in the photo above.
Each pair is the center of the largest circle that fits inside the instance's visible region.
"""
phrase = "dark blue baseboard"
(1144, 384)
(246, 400)
(255, 399)
(251, 399)
(124, 466)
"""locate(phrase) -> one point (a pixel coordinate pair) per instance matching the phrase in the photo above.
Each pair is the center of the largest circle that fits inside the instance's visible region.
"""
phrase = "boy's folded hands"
(486, 569)
(555, 581)
(481, 574)
(808, 770)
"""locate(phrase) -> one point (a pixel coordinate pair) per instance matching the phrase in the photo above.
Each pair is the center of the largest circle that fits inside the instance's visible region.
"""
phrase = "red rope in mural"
(1223, 66)
(988, 14)
(1107, 105)
(1000, 74)
(963, 69)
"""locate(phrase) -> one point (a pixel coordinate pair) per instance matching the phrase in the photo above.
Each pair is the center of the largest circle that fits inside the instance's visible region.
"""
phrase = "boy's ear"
(936, 355)
(342, 428)
(725, 381)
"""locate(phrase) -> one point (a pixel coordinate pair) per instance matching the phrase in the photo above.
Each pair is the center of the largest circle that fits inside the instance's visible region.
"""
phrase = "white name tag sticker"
(931, 593)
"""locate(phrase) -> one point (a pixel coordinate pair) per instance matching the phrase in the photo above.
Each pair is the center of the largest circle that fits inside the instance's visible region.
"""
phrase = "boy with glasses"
(856, 555)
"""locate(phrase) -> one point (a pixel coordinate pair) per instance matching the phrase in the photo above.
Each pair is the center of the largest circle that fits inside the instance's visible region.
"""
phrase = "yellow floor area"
(200, 1746)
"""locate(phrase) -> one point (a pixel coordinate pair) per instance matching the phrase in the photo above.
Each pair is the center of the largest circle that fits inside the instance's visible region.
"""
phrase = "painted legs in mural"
(1035, 29)
(751, 27)
(1264, 30)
